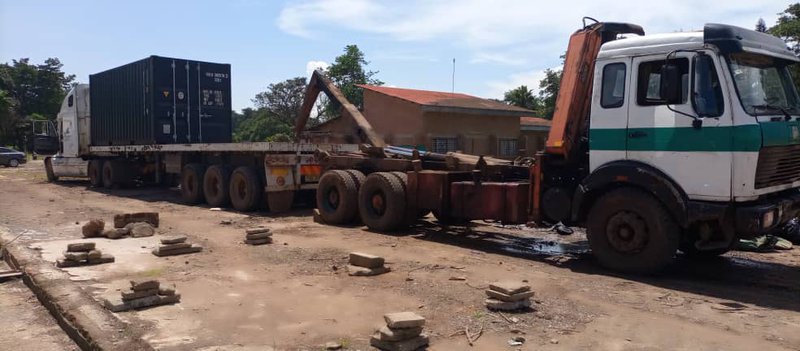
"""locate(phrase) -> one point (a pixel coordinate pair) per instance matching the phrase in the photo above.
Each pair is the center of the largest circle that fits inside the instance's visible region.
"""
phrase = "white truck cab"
(73, 126)
(708, 121)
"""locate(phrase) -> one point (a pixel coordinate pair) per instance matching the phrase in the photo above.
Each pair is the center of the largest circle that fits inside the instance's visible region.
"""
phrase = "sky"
(497, 45)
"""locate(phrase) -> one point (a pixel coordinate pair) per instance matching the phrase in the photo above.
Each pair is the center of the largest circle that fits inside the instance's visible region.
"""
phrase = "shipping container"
(161, 100)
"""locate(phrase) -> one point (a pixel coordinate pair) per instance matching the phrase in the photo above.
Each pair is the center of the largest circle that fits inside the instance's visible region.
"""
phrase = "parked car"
(11, 158)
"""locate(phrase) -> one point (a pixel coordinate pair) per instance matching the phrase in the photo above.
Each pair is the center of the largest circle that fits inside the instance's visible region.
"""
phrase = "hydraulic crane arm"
(571, 115)
(320, 83)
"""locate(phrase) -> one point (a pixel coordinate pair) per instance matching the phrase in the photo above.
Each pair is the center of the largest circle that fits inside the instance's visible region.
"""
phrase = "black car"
(11, 158)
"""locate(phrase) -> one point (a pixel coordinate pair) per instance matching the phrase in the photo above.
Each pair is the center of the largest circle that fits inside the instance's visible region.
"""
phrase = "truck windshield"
(764, 84)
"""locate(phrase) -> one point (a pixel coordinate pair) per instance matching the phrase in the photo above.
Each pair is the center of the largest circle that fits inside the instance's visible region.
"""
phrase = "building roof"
(438, 101)
(534, 123)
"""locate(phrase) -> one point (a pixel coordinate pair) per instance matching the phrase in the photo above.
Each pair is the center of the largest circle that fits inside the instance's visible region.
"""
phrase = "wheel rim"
(627, 232)
(333, 198)
(14, 163)
(215, 187)
(378, 203)
(241, 189)
(190, 183)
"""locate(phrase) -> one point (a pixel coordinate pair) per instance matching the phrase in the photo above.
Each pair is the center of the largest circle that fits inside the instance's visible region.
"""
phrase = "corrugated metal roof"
(443, 101)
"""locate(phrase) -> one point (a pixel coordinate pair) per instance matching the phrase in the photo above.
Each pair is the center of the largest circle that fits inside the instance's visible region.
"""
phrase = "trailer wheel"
(358, 177)
(48, 168)
(382, 202)
(216, 185)
(280, 201)
(245, 189)
(192, 183)
(337, 196)
(95, 171)
(631, 231)
(411, 214)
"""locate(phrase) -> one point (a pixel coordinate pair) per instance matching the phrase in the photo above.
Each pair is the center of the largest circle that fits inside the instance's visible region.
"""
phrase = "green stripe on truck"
(681, 139)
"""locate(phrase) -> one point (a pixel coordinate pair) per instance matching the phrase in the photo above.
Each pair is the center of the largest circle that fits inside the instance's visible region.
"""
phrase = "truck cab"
(73, 132)
(707, 125)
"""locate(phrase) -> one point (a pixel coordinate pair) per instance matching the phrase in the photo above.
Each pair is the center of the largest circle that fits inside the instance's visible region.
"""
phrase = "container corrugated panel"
(161, 100)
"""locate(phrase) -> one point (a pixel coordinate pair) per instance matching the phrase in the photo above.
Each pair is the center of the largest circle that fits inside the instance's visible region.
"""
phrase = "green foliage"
(522, 97)
(29, 90)
(258, 125)
(346, 72)
(788, 29)
(283, 100)
(548, 92)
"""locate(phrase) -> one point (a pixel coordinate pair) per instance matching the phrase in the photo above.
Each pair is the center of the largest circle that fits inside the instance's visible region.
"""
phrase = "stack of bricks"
(83, 254)
(362, 264)
(143, 293)
(402, 332)
(508, 296)
(258, 236)
(175, 245)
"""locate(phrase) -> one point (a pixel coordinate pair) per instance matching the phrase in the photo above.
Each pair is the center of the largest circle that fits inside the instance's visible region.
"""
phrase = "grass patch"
(153, 273)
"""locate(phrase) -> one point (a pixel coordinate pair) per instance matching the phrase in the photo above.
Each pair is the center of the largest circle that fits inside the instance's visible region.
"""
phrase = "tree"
(283, 100)
(788, 29)
(548, 92)
(346, 72)
(27, 90)
(761, 26)
(259, 125)
(522, 97)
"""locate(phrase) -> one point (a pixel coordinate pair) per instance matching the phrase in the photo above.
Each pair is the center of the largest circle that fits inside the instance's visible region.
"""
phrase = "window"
(706, 90)
(507, 147)
(613, 89)
(444, 145)
(648, 91)
(70, 101)
(764, 84)
(2, 149)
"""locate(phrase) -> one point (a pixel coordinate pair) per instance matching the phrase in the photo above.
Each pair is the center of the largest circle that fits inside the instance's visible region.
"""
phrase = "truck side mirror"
(670, 86)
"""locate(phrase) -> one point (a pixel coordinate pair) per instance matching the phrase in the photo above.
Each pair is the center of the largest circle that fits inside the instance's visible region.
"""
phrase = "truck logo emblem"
(166, 93)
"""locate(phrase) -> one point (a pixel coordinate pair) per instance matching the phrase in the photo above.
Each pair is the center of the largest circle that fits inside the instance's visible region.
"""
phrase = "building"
(532, 134)
(433, 121)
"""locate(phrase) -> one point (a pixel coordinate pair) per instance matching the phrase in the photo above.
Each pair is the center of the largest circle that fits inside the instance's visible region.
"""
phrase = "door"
(697, 158)
(609, 119)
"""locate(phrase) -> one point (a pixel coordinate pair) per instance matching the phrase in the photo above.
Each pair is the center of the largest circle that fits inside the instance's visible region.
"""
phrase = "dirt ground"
(296, 295)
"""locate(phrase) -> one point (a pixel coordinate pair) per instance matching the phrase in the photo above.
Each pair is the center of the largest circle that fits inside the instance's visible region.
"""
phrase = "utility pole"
(453, 86)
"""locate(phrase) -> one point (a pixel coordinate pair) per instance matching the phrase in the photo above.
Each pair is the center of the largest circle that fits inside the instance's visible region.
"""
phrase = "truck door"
(697, 158)
(609, 117)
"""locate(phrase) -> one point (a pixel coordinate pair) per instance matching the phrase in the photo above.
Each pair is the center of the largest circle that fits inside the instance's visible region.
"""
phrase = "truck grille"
(778, 165)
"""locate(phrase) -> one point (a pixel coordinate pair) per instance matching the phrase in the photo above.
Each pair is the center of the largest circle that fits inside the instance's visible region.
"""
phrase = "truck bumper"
(752, 219)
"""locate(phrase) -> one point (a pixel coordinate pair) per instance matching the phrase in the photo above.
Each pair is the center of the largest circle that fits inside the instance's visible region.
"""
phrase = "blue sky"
(497, 45)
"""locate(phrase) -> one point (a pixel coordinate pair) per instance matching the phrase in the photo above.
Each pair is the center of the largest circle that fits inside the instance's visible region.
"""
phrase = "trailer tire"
(216, 185)
(412, 214)
(95, 172)
(337, 196)
(280, 201)
(358, 177)
(245, 189)
(48, 168)
(382, 202)
(192, 183)
(631, 231)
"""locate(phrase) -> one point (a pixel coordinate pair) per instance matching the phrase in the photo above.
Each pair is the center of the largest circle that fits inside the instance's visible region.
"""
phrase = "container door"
(213, 103)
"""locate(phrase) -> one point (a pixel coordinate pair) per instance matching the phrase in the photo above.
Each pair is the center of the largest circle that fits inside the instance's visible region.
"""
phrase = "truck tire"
(358, 177)
(337, 196)
(48, 168)
(95, 171)
(246, 189)
(411, 214)
(192, 183)
(280, 201)
(382, 202)
(631, 231)
(216, 185)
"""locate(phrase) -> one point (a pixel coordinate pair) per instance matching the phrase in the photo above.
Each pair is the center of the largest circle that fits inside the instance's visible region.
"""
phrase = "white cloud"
(529, 78)
(493, 30)
(311, 66)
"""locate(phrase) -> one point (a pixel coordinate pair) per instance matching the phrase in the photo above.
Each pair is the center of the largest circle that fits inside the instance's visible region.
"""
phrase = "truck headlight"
(768, 219)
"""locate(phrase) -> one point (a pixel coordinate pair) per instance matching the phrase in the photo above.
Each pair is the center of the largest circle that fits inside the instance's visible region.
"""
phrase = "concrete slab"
(509, 298)
(388, 334)
(366, 260)
(509, 287)
(399, 320)
(406, 345)
(366, 272)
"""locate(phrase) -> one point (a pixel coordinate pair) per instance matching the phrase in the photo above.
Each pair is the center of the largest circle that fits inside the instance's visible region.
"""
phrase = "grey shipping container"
(161, 100)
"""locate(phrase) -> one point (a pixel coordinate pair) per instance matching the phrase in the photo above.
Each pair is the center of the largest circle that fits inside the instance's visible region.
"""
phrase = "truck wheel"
(216, 185)
(245, 189)
(95, 171)
(192, 183)
(48, 168)
(630, 231)
(280, 201)
(411, 215)
(109, 174)
(382, 202)
(337, 196)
